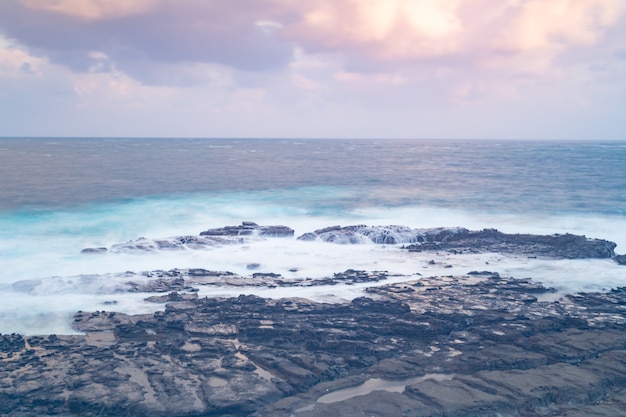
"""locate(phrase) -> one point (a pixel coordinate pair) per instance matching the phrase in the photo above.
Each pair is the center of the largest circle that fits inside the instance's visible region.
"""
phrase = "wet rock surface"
(461, 240)
(190, 279)
(478, 344)
(564, 246)
(228, 235)
(250, 228)
(380, 234)
(451, 239)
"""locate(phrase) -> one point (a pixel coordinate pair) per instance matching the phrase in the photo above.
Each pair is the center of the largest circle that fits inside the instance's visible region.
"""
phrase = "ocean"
(60, 195)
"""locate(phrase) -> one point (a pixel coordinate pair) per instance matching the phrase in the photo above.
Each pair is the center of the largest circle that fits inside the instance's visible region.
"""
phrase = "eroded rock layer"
(469, 345)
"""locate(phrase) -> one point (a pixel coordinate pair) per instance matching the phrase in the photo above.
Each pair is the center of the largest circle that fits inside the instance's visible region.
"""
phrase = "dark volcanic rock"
(248, 229)
(94, 250)
(188, 280)
(454, 240)
(173, 296)
(565, 246)
(620, 259)
(471, 345)
(379, 234)
(460, 240)
(11, 343)
(228, 235)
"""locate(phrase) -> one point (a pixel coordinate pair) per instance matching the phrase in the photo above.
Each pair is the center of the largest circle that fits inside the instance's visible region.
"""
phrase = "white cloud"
(375, 78)
(379, 29)
(268, 26)
(564, 22)
(366, 35)
(92, 9)
(469, 30)
(17, 63)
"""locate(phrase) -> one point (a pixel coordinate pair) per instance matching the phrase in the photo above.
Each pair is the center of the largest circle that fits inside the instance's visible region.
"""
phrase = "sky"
(499, 69)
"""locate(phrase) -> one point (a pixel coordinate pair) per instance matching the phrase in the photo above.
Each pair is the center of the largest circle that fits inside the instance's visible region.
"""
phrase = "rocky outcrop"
(564, 246)
(380, 234)
(478, 344)
(143, 245)
(249, 229)
(228, 235)
(188, 279)
(461, 240)
(454, 240)
(94, 250)
(191, 280)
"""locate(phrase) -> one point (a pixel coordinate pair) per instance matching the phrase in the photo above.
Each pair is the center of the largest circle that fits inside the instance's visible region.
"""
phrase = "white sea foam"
(45, 279)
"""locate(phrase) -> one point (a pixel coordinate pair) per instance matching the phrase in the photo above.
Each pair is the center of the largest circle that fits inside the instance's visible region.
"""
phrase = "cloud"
(91, 9)
(621, 53)
(17, 63)
(367, 34)
(543, 24)
(315, 63)
(375, 33)
(141, 35)
(379, 29)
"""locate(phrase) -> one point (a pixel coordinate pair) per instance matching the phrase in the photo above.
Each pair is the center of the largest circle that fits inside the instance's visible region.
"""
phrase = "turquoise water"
(58, 196)
(98, 190)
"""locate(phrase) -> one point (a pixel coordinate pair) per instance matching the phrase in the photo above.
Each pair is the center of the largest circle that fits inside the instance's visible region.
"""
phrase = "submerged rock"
(228, 235)
(360, 234)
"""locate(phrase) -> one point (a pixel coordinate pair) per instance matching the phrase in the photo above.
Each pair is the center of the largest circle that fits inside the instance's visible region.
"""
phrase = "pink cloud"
(92, 9)
(422, 30)
(16, 63)
(379, 29)
(469, 50)
(263, 33)
(139, 35)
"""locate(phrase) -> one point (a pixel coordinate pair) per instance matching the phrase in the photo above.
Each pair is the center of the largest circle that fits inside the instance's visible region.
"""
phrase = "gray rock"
(620, 259)
(565, 246)
(456, 346)
(460, 240)
(249, 229)
(360, 234)
(92, 251)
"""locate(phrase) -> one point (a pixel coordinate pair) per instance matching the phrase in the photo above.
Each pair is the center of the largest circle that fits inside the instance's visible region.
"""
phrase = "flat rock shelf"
(479, 344)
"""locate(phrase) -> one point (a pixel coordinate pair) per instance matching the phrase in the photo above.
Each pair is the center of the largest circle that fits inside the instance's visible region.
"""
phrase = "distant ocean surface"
(60, 195)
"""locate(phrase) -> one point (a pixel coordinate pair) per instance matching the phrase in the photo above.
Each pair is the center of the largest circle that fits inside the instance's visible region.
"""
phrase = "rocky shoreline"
(454, 240)
(499, 348)
(445, 346)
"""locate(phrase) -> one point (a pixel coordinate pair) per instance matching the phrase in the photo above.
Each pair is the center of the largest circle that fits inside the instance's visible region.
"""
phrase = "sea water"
(60, 195)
